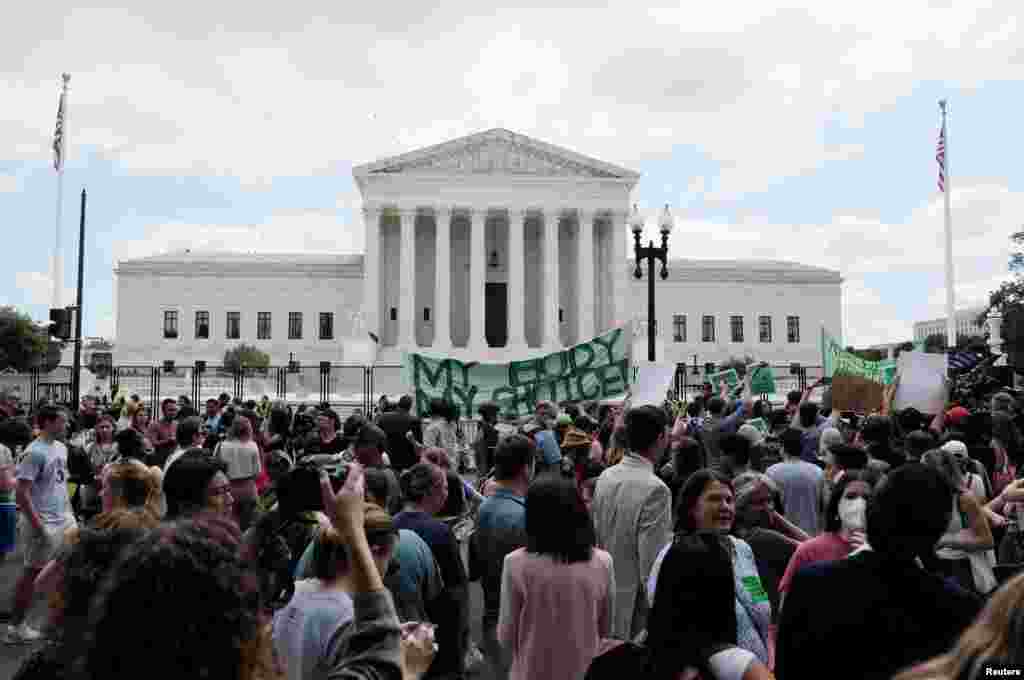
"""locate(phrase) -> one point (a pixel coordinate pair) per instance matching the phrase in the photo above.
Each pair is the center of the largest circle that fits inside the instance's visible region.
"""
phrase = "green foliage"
(24, 344)
(247, 356)
(1010, 293)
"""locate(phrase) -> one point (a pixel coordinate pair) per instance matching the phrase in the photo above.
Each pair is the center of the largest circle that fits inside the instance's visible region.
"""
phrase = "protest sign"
(922, 382)
(730, 377)
(837, 361)
(652, 382)
(762, 380)
(856, 394)
(599, 369)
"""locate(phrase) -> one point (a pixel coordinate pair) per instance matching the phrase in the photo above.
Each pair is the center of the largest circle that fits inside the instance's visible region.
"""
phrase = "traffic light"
(61, 320)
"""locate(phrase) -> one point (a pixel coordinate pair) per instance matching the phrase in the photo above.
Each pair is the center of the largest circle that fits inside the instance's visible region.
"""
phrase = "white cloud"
(863, 248)
(9, 184)
(38, 287)
(277, 93)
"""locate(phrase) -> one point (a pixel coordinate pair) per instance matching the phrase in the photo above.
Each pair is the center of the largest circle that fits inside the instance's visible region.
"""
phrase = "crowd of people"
(721, 538)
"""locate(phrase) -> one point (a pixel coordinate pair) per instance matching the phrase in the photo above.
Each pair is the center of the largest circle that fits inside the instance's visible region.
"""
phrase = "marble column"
(477, 261)
(371, 271)
(550, 293)
(619, 268)
(443, 280)
(516, 280)
(585, 268)
(407, 281)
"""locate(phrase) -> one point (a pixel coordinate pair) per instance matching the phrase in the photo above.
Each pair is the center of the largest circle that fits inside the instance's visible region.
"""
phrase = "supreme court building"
(493, 246)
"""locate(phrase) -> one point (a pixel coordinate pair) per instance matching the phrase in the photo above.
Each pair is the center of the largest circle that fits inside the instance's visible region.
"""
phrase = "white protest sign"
(922, 382)
(652, 382)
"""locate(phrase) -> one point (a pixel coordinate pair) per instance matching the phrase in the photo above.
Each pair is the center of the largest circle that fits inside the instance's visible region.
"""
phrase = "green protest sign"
(837, 361)
(599, 369)
(730, 377)
(762, 380)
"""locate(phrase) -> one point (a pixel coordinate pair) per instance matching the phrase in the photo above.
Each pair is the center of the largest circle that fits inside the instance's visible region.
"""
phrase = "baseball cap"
(955, 447)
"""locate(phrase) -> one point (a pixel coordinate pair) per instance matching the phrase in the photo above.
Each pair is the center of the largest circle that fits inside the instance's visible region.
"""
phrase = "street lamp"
(650, 253)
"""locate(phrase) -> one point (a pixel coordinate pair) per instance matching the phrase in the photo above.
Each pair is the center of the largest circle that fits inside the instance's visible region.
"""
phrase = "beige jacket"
(632, 512)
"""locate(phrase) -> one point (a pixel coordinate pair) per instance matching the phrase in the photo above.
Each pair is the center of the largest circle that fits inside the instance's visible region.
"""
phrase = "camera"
(299, 490)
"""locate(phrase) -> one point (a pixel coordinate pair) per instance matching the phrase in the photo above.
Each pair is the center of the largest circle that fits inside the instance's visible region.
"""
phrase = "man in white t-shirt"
(42, 494)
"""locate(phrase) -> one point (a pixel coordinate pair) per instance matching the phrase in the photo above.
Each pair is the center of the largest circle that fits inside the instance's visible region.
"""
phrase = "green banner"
(729, 376)
(837, 361)
(762, 380)
(599, 369)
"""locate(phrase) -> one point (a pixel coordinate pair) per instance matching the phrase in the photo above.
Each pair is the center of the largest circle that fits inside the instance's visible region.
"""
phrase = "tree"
(24, 344)
(1010, 293)
(245, 356)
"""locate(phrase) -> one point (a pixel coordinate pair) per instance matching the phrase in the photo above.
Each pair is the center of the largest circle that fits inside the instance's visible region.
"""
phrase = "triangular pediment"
(496, 152)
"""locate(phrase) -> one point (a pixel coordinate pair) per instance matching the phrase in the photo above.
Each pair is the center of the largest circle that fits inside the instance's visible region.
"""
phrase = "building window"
(793, 328)
(707, 328)
(561, 315)
(679, 327)
(170, 324)
(234, 325)
(263, 325)
(736, 328)
(326, 325)
(764, 325)
(394, 313)
(426, 314)
(295, 325)
(202, 325)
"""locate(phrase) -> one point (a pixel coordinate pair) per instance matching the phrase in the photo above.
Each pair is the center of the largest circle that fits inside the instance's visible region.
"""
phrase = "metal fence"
(347, 387)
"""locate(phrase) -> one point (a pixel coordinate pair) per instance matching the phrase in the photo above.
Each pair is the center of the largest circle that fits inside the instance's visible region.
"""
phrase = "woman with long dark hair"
(559, 588)
(707, 505)
(694, 628)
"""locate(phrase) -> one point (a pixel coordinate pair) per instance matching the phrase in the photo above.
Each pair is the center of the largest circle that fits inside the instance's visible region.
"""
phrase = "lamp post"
(651, 253)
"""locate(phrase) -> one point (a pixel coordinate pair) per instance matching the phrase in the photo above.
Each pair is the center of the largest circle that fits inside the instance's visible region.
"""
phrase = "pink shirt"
(824, 548)
(544, 603)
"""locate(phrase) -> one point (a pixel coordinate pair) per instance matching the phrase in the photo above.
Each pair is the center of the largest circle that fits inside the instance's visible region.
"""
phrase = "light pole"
(651, 253)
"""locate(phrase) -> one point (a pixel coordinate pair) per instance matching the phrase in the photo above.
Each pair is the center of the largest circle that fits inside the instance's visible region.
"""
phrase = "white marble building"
(493, 246)
(966, 324)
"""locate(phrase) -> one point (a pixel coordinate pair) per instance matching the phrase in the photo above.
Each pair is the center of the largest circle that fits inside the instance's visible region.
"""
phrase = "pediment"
(496, 152)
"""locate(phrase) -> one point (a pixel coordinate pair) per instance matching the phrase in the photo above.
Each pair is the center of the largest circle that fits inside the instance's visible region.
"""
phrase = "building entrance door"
(496, 314)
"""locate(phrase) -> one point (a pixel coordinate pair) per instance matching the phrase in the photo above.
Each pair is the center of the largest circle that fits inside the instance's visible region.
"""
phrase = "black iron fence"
(348, 386)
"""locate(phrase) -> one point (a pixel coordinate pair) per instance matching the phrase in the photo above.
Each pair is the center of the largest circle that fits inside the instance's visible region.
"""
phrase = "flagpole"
(58, 255)
(948, 219)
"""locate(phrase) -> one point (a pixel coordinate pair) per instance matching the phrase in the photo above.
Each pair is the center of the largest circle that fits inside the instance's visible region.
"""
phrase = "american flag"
(58, 136)
(964, 361)
(940, 156)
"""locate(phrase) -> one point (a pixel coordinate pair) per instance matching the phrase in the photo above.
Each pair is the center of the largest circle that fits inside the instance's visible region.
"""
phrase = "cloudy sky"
(774, 131)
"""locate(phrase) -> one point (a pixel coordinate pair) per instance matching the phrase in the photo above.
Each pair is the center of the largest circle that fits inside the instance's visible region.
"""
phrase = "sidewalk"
(11, 656)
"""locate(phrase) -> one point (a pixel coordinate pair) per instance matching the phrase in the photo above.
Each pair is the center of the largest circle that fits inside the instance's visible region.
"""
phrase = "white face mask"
(853, 513)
